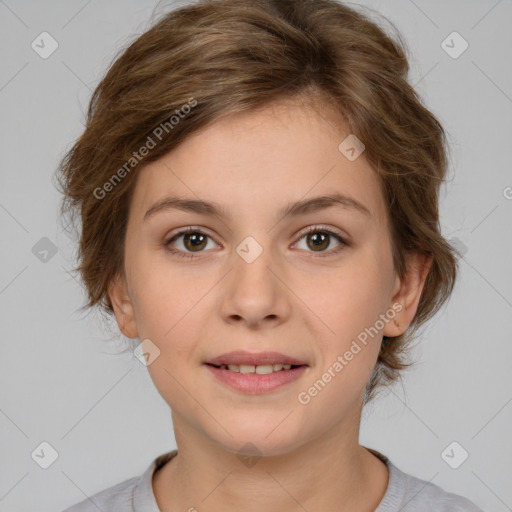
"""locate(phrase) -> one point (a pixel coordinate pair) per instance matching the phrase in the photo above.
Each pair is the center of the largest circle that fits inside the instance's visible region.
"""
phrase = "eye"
(194, 240)
(318, 239)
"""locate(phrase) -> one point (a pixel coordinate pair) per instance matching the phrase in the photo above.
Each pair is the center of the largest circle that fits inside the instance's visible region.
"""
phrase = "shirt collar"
(143, 496)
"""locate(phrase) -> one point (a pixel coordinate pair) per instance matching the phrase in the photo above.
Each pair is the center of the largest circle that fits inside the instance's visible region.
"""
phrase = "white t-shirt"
(405, 493)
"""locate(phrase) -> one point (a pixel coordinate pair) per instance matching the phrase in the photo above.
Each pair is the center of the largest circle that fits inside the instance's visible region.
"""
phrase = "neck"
(329, 473)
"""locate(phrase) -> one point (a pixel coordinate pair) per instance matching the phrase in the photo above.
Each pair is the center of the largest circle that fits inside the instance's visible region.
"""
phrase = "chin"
(260, 438)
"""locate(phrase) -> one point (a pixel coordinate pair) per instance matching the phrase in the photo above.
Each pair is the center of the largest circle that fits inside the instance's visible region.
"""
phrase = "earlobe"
(408, 293)
(123, 307)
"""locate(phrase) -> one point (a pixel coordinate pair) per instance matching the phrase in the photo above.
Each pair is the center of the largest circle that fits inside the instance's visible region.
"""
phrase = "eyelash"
(313, 229)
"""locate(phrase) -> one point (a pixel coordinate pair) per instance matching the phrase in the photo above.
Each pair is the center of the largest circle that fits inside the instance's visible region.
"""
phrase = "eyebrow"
(292, 209)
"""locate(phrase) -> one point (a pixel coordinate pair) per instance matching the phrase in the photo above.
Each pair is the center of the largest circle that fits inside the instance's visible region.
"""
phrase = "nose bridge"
(251, 265)
(253, 290)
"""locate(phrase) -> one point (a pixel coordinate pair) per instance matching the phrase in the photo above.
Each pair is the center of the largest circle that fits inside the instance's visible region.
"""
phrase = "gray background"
(62, 382)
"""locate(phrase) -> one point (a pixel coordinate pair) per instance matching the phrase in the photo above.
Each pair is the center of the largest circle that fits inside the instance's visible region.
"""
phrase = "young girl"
(257, 186)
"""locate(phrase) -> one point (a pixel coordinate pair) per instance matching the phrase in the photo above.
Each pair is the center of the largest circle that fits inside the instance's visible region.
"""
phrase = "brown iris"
(197, 241)
(320, 240)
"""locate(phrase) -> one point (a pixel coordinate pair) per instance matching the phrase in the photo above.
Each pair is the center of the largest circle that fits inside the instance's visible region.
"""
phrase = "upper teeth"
(261, 369)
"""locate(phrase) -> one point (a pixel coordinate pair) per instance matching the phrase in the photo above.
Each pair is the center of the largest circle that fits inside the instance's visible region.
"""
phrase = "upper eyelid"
(189, 229)
(321, 227)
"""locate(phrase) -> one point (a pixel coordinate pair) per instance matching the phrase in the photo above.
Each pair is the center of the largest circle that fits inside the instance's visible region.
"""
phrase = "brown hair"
(214, 58)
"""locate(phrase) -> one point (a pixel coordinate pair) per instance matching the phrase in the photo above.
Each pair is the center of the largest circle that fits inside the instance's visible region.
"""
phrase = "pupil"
(318, 240)
(196, 239)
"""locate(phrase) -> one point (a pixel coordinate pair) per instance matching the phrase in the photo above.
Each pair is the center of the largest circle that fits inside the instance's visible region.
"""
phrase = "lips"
(254, 373)
(241, 357)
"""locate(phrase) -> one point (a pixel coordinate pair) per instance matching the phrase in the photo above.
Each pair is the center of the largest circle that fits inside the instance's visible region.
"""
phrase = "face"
(247, 278)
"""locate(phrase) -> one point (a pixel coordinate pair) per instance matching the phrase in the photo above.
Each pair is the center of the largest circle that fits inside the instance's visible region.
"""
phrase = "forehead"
(259, 161)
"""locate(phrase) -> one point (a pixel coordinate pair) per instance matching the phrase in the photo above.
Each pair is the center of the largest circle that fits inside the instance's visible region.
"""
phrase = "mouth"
(256, 373)
(261, 369)
(255, 362)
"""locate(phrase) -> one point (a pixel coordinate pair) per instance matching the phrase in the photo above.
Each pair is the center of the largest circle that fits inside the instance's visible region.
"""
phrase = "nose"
(255, 292)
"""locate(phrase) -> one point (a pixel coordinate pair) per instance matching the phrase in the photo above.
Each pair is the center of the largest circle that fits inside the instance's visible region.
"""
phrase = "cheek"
(167, 316)
(353, 308)
(164, 314)
(163, 294)
(355, 297)
(350, 354)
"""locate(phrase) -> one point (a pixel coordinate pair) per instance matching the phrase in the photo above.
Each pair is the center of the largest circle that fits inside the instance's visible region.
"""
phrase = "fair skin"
(290, 299)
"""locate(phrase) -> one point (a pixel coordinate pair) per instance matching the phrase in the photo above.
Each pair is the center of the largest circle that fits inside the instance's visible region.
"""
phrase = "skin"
(290, 299)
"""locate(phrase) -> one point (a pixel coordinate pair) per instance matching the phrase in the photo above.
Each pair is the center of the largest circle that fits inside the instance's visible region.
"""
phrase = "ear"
(123, 307)
(407, 293)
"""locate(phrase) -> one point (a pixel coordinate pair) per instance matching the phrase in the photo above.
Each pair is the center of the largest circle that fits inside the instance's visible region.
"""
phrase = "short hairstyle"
(213, 58)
